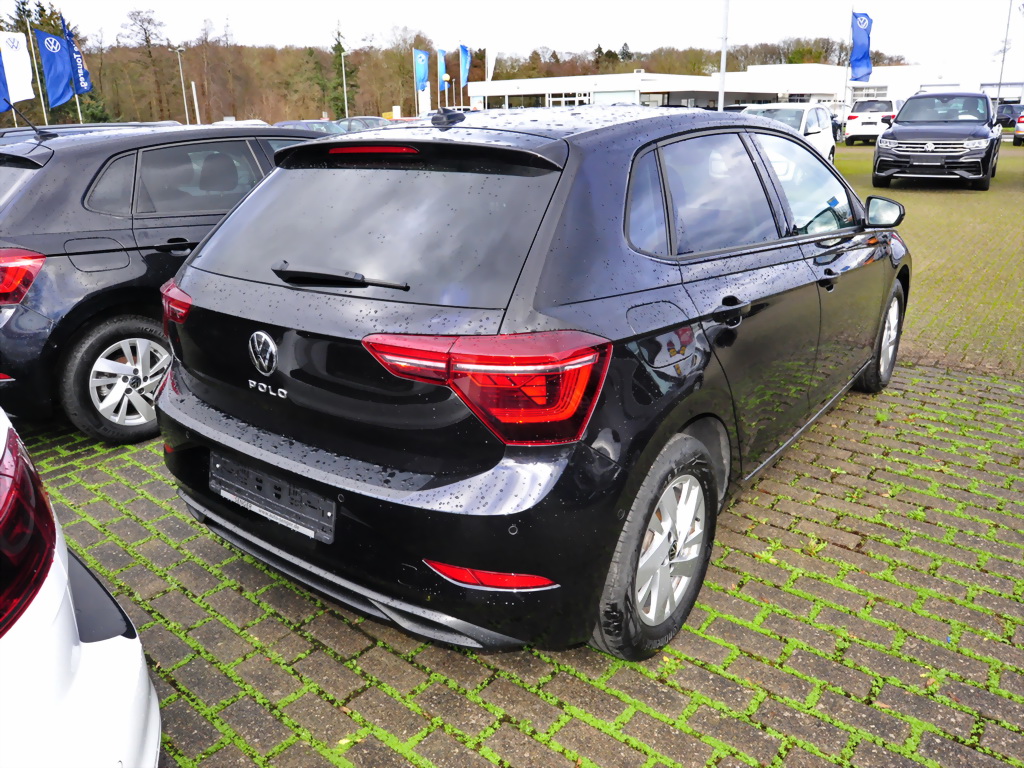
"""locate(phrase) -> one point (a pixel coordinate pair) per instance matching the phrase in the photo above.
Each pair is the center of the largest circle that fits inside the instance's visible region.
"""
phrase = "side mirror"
(883, 212)
(887, 119)
(812, 131)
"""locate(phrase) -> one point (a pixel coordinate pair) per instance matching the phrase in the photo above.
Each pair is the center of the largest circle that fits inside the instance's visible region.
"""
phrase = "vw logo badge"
(862, 22)
(263, 352)
(929, 147)
(52, 45)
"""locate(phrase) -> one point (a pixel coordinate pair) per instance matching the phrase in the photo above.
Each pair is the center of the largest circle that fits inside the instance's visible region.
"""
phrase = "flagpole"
(35, 65)
(79, 105)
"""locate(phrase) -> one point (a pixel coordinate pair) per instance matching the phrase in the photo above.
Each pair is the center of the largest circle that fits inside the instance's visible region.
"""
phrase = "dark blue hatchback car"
(492, 379)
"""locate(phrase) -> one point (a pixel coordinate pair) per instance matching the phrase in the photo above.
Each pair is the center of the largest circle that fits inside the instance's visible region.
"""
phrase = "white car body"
(68, 701)
(812, 121)
(864, 123)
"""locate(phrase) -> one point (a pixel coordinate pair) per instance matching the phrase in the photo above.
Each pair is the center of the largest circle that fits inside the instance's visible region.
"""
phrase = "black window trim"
(194, 142)
(99, 174)
(790, 223)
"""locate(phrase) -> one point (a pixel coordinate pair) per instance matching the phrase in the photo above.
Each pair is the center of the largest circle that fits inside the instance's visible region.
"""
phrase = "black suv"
(940, 136)
(91, 226)
(492, 379)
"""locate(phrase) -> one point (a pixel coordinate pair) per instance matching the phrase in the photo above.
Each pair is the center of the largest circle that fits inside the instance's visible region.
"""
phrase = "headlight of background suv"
(887, 143)
(976, 144)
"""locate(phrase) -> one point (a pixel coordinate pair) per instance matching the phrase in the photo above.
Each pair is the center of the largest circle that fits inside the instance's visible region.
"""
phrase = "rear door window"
(716, 195)
(454, 226)
(818, 201)
(203, 177)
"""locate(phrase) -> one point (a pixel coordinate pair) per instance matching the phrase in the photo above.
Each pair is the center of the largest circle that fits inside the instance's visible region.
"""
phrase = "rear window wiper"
(299, 275)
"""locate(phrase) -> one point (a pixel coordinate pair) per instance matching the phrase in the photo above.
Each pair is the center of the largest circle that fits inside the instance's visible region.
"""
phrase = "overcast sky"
(931, 32)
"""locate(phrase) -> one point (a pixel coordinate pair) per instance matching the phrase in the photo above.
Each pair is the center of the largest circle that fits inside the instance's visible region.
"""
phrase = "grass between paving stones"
(949, 495)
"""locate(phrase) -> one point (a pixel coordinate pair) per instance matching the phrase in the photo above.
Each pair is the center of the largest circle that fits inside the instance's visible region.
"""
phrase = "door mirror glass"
(883, 212)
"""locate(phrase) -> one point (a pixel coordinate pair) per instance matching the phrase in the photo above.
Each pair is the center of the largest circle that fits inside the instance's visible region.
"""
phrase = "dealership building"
(814, 83)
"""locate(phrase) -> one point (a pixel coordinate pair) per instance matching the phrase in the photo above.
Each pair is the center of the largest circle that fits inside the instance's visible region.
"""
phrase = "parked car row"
(345, 125)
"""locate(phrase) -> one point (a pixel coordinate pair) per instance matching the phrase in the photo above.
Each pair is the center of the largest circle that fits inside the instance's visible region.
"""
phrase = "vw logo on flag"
(13, 43)
(52, 45)
(422, 58)
(862, 22)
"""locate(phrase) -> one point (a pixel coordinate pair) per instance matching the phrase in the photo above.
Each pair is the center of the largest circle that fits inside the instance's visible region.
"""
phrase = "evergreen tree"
(342, 87)
(624, 53)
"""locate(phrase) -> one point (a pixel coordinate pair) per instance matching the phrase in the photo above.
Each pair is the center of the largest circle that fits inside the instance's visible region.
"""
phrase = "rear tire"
(877, 375)
(880, 181)
(110, 377)
(662, 554)
(849, 142)
(1017, 141)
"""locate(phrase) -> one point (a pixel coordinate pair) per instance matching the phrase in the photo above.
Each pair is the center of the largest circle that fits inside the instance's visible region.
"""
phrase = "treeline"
(136, 74)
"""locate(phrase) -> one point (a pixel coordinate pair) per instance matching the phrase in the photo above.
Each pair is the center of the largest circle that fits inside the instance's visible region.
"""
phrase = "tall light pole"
(344, 85)
(181, 72)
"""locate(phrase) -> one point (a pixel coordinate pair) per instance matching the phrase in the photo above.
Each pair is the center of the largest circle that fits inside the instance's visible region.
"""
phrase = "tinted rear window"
(874, 105)
(456, 232)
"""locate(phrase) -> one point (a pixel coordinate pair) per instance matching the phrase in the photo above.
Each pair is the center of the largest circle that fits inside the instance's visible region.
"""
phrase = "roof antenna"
(445, 118)
(41, 135)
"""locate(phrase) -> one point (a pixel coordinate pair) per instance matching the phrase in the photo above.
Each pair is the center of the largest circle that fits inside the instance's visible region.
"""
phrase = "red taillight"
(177, 304)
(18, 268)
(852, 117)
(491, 579)
(529, 389)
(370, 149)
(1020, 119)
(28, 533)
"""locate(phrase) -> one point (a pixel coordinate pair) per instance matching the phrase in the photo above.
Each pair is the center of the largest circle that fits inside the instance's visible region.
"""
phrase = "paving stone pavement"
(864, 609)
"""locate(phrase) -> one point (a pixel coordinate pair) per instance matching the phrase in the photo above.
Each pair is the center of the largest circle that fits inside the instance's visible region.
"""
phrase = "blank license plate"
(301, 510)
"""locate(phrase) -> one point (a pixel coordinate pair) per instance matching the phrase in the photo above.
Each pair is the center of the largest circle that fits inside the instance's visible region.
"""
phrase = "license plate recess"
(303, 511)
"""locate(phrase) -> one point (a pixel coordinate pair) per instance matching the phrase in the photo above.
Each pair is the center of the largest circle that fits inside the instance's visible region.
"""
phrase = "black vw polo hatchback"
(492, 379)
(91, 226)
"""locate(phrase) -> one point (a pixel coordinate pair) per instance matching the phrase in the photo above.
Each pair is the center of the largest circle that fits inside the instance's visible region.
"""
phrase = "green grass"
(968, 254)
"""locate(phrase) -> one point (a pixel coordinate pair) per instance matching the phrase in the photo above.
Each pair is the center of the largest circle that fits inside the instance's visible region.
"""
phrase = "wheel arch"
(712, 433)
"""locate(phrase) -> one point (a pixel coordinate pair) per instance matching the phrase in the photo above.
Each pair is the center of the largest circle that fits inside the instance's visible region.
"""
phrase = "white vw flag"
(17, 67)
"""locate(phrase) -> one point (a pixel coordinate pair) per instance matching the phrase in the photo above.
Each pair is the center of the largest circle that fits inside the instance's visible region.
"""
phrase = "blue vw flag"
(463, 65)
(420, 66)
(4, 93)
(441, 84)
(53, 54)
(81, 81)
(860, 53)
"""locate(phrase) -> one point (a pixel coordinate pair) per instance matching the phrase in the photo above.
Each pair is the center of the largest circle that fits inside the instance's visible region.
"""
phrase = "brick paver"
(864, 608)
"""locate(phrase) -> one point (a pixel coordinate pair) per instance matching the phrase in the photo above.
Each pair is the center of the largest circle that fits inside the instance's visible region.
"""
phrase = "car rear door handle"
(176, 246)
(829, 281)
(732, 311)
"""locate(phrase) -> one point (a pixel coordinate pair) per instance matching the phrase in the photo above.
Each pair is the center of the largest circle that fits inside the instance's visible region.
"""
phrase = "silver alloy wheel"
(124, 379)
(890, 335)
(671, 550)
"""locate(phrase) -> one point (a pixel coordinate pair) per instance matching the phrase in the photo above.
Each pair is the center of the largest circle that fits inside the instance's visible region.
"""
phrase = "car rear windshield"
(941, 109)
(14, 173)
(791, 117)
(872, 105)
(455, 230)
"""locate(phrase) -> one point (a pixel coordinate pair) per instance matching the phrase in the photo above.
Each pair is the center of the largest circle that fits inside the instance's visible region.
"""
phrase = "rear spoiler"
(25, 154)
(416, 146)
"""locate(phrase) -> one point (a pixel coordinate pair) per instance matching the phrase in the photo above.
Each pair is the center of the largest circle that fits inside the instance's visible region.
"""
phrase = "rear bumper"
(547, 511)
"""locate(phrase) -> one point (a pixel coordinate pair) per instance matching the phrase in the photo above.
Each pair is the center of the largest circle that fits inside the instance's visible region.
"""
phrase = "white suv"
(76, 688)
(812, 121)
(865, 119)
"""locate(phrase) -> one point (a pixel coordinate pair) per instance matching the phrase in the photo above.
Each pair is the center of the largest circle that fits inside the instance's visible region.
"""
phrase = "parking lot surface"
(864, 608)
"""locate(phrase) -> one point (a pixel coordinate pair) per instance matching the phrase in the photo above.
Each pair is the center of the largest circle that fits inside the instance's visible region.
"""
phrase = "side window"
(717, 198)
(812, 121)
(112, 192)
(819, 202)
(205, 177)
(645, 219)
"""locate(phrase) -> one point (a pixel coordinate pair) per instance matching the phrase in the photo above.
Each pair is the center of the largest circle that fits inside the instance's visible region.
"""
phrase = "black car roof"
(134, 138)
(532, 129)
